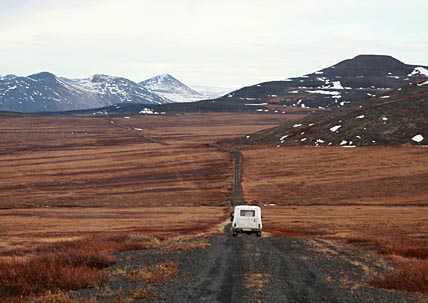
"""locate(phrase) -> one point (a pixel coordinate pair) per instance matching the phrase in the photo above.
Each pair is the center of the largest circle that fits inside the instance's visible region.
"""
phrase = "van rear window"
(247, 213)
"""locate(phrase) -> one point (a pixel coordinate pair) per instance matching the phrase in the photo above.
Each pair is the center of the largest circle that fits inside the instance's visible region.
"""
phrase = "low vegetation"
(335, 176)
(410, 275)
(63, 266)
(53, 267)
(157, 273)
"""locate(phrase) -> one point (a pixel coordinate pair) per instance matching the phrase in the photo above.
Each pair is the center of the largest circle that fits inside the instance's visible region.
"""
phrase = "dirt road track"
(250, 269)
(135, 130)
(237, 197)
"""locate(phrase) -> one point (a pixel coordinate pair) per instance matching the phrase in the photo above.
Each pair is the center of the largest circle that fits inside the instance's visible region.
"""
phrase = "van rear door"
(247, 219)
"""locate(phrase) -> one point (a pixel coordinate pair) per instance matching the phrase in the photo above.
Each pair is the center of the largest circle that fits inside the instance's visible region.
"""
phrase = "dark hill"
(396, 118)
(369, 65)
(350, 80)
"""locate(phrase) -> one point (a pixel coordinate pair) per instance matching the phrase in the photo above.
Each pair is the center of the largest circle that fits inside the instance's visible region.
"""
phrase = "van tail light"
(234, 225)
(259, 225)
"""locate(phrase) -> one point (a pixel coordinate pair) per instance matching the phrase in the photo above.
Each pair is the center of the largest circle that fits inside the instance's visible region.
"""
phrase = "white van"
(247, 219)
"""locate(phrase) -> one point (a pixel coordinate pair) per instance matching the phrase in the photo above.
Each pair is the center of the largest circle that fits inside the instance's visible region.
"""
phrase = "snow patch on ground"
(423, 83)
(324, 92)
(146, 111)
(419, 71)
(337, 85)
(335, 128)
(418, 138)
(361, 117)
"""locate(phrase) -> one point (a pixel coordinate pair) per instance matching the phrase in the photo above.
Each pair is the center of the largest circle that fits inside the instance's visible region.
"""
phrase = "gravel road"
(252, 269)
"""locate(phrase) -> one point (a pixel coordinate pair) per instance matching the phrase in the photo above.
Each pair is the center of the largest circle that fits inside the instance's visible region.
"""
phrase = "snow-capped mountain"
(118, 90)
(169, 87)
(45, 92)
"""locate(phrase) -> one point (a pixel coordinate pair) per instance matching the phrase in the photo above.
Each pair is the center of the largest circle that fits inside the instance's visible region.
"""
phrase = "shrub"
(407, 250)
(412, 276)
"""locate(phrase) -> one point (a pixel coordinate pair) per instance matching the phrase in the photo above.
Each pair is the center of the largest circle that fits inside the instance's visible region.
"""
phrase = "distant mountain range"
(363, 77)
(360, 78)
(45, 92)
(397, 117)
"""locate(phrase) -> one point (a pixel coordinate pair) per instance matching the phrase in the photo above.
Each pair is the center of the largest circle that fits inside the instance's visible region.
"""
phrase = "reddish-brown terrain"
(336, 175)
(110, 184)
(80, 161)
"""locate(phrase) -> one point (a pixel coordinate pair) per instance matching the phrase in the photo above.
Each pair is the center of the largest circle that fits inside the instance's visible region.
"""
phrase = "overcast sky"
(228, 43)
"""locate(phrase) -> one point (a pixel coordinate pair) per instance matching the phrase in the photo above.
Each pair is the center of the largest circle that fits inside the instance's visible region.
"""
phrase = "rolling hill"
(395, 118)
(354, 79)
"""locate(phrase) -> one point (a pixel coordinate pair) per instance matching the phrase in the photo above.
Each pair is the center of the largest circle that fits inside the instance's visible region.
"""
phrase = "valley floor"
(336, 219)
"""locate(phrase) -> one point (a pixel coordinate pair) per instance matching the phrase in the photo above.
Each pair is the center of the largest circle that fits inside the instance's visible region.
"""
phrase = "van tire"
(234, 234)
(259, 234)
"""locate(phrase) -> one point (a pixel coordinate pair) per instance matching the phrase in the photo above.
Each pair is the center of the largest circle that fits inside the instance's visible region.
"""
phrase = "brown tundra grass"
(64, 266)
(411, 275)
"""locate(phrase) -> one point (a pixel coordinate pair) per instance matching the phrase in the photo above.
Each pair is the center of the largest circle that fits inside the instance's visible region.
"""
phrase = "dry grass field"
(378, 223)
(24, 229)
(83, 187)
(336, 176)
(87, 161)
(75, 189)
